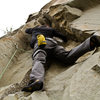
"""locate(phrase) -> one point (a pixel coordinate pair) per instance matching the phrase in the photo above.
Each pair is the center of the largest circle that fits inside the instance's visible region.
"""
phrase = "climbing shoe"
(35, 86)
(95, 41)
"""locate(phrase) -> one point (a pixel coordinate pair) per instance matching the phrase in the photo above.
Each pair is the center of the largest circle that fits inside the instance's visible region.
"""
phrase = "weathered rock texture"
(78, 19)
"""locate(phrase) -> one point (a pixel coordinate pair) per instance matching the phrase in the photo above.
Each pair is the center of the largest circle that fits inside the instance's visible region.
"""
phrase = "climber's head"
(44, 21)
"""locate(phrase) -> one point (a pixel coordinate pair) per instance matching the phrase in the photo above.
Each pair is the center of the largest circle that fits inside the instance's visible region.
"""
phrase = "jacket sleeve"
(34, 39)
(29, 30)
(32, 44)
(59, 35)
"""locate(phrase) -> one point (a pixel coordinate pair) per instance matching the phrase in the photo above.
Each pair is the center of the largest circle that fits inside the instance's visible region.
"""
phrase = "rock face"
(78, 19)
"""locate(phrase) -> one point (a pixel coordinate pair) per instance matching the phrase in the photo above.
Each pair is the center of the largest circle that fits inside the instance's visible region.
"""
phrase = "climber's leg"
(38, 71)
(88, 45)
(69, 57)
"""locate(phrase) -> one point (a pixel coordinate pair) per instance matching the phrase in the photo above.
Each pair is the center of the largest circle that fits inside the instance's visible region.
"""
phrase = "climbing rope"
(16, 46)
(7, 64)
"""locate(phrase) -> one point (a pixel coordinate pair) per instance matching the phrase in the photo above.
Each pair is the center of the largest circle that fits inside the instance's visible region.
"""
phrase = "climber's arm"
(33, 40)
(29, 30)
(59, 35)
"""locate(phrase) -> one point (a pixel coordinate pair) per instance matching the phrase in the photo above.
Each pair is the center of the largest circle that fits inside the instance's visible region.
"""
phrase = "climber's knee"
(40, 55)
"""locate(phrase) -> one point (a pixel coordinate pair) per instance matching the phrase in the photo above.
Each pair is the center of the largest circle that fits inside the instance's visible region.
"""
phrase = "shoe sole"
(36, 86)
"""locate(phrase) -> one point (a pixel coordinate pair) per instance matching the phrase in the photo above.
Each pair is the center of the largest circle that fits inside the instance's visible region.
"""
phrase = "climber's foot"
(95, 41)
(35, 86)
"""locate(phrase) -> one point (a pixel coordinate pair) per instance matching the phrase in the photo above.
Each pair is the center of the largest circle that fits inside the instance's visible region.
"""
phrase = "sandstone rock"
(32, 16)
(87, 24)
(11, 97)
(88, 21)
(85, 83)
(39, 96)
(77, 82)
(63, 11)
(83, 5)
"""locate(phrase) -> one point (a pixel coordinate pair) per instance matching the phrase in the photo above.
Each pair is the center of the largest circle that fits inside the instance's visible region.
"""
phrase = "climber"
(45, 46)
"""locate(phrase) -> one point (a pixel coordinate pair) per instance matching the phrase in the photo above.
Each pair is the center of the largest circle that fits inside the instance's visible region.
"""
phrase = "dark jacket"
(48, 32)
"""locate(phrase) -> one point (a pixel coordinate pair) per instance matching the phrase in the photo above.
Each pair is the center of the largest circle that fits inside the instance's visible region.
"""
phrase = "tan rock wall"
(77, 82)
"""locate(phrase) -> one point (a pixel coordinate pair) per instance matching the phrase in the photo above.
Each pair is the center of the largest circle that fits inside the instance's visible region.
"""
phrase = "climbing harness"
(17, 48)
